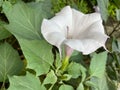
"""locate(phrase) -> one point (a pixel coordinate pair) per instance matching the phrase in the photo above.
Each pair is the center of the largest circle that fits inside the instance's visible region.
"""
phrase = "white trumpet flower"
(78, 31)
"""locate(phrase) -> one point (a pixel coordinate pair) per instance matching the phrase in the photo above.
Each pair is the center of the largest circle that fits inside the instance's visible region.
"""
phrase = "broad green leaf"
(38, 54)
(76, 69)
(10, 63)
(50, 78)
(3, 32)
(1, 1)
(25, 19)
(66, 87)
(102, 84)
(80, 87)
(103, 5)
(28, 82)
(98, 64)
(44, 6)
(118, 14)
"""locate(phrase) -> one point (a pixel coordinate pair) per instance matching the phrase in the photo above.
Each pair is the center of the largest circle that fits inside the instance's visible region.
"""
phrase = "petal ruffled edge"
(52, 33)
(86, 46)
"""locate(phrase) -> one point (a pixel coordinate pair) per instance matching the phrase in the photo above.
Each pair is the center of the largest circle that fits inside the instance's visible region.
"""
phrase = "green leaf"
(1, 1)
(115, 45)
(50, 78)
(66, 87)
(80, 87)
(118, 14)
(38, 54)
(98, 64)
(102, 84)
(10, 63)
(103, 5)
(28, 82)
(3, 32)
(44, 6)
(75, 69)
(25, 19)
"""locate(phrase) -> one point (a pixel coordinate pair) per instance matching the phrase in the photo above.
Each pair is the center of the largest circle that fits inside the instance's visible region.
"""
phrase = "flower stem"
(65, 64)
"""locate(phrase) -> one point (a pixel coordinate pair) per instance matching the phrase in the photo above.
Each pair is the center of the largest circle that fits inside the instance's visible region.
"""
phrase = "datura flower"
(75, 30)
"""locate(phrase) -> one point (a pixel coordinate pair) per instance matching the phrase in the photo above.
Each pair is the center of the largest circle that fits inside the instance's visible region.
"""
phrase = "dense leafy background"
(28, 62)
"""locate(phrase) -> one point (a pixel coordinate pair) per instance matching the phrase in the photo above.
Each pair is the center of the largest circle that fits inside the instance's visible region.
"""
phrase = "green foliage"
(112, 9)
(10, 62)
(115, 45)
(1, 1)
(117, 3)
(50, 78)
(76, 57)
(75, 69)
(102, 83)
(118, 14)
(80, 87)
(97, 65)
(25, 19)
(98, 71)
(79, 5)
(82, 6)
(103, 5)
(66, 87)
(3, 32)
(27, 82)
(34, 51)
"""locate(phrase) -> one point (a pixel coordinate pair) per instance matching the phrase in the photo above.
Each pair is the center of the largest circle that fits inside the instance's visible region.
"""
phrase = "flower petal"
(82, 22)
(86, 31)
(52, 33)
(86, 46)
(94, 31)
(64, 19)
(89, 40)
(55, 29)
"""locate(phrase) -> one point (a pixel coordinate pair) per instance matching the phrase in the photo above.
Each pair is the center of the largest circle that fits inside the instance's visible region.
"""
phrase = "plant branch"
(115, 29)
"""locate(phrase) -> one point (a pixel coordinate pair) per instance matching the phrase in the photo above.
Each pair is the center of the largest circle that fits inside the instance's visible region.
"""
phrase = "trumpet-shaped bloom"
(81, 32)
